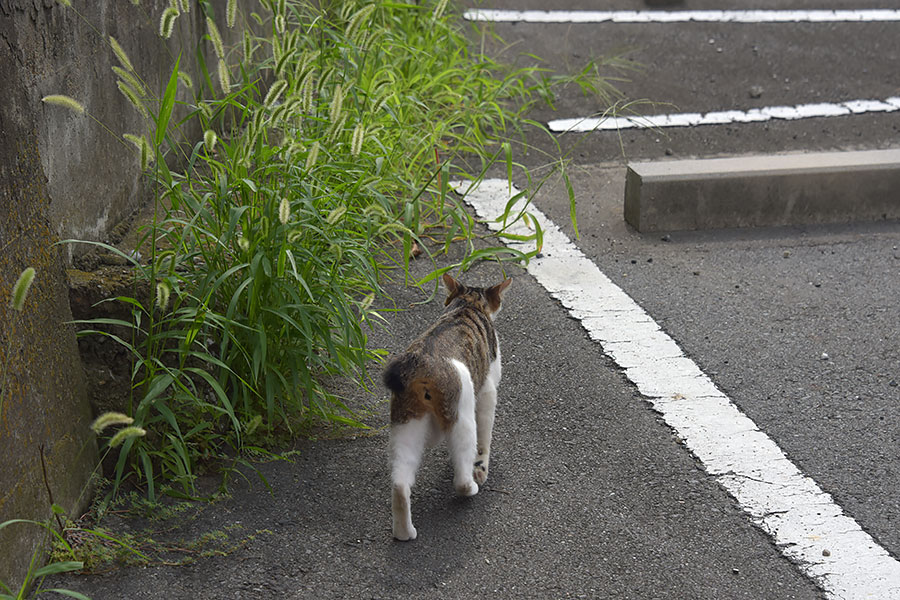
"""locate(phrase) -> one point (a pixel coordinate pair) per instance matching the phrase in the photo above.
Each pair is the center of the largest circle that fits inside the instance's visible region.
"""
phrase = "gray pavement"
(590, 496)
(757, 309)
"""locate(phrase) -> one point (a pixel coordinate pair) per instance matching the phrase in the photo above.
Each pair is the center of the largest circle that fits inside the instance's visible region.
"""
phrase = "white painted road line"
(803, 520)
(681, 16)
(754, 115)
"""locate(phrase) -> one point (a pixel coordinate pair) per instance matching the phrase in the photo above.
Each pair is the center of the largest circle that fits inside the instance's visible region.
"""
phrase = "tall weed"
(329, 142)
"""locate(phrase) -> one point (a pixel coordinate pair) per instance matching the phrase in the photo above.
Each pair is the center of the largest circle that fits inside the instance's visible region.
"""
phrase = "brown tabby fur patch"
(422, 379)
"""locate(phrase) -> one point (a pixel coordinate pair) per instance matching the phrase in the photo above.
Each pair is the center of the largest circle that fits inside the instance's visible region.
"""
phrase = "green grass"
(330, 136)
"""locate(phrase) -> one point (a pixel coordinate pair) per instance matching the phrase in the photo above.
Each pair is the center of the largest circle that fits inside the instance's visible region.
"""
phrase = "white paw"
(480, 471)
(405, 533)
(470, 488)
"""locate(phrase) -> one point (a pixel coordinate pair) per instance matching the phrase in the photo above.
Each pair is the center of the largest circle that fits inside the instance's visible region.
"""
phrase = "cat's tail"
(417, 390)
(399, 371)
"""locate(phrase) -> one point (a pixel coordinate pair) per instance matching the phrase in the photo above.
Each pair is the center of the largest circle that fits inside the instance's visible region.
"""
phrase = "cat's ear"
(495, 293)
(454, 288)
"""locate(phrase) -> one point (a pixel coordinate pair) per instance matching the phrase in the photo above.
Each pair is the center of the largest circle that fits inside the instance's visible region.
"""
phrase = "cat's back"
(463, 332)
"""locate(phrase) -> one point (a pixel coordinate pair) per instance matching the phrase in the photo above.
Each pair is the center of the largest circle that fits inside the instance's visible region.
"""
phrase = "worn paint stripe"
(681, 16)
(802, 519)
(754, 115)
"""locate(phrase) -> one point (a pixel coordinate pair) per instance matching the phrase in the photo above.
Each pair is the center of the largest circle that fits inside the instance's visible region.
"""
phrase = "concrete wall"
(63, 175)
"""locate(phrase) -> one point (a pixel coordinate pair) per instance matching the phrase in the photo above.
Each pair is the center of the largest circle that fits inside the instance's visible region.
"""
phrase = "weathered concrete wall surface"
(63, 175)
(42, 396)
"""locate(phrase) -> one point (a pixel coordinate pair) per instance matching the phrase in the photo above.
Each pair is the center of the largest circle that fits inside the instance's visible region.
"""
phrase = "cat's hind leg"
(484, 417)
(462, 439)
(407, 445)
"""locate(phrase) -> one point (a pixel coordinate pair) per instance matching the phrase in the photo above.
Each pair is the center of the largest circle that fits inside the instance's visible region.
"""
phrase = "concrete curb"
(763, 191)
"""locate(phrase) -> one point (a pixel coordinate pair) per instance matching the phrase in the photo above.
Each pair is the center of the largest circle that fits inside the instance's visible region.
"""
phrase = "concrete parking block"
(763, 191)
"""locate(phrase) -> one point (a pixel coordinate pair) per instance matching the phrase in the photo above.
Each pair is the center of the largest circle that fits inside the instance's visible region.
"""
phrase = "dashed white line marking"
(681, 16)
(803, 520)
(754, 115)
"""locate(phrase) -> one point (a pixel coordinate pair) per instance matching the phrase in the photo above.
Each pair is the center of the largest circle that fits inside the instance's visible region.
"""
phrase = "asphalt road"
(756, 309)
(591, 494)
(703, 67)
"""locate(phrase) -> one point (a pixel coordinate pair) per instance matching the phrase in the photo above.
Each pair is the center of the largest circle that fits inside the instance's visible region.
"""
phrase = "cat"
(444, 387)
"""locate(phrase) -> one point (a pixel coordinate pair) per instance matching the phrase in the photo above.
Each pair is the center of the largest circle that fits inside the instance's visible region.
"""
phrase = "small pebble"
(826, 552)
(825, 356)
(787, 253)
(756, 91)
(666, 238)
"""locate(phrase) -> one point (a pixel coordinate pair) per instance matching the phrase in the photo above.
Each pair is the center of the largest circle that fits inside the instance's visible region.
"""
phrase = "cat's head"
(485, 299)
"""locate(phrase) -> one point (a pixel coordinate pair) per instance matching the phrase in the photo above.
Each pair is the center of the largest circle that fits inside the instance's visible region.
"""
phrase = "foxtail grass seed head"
(278, 114)
(248, 46)
(280, 24)
(120, 54)
(380, 104)
(143, 147)
(108, 419)
(132, 96)
(65, 3)
(167, 22)
(358, 20)
(209, 140)
(295, 110)
(206, 110)
(231, 13)
(439, 9)
(184, 6)
(335, 214)
(20, 289)
(307, 88)
(129, 78)
(277, 51)
(334, 112)
(243, 243)
(359, 134)
(185, 79)
(275, 92)
(284, 211)
(336, 129)
(215, 37)
(65, 101)
(126, 433)
(163, 291)
(312, 155)
(224, 76)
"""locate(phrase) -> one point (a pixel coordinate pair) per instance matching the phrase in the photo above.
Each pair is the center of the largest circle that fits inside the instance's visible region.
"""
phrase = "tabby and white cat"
(444, 387)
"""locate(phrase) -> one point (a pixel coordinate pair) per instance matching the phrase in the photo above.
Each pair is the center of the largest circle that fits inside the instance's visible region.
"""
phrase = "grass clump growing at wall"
(328, 145)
